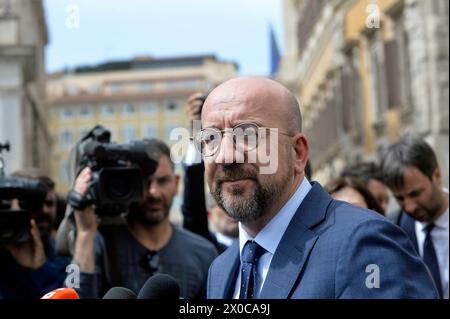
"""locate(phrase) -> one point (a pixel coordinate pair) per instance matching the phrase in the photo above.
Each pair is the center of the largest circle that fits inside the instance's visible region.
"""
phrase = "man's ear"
(437, 177)
(301, 154)
(177, 180)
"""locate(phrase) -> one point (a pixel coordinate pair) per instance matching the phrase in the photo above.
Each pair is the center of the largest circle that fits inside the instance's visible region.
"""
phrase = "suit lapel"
(408, 224)
(228, 272)
(295, 245)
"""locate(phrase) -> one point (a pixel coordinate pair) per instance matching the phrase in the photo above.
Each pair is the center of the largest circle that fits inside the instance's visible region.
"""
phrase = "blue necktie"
(430, 258)
(250, 256)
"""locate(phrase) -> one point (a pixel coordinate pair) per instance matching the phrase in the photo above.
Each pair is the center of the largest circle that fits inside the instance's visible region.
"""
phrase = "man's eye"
(163, 181)
(209, 138)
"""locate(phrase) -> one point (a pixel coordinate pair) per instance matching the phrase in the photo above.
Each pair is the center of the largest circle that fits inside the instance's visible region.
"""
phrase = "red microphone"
(61, 293)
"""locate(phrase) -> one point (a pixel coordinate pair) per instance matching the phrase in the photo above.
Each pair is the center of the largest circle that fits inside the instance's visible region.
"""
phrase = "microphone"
(160, 286)
(61, 293)
(119, 293)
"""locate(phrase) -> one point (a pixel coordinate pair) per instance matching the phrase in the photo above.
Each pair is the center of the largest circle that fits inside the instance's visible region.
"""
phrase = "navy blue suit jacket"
(408, 224)
(332, 249)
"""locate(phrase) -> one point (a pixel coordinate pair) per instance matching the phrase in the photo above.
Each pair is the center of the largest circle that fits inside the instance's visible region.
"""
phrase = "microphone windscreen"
(61, 293)
(160, 286)
(119, 293)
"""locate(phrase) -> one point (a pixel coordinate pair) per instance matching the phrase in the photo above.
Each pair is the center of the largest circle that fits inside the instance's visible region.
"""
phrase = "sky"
(87, 32)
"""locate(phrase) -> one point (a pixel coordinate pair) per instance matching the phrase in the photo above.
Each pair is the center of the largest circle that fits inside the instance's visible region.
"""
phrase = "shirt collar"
(269, 237)
(223, 239)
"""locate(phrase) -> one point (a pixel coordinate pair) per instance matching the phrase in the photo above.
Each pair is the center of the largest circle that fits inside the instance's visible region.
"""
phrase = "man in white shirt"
(411, 171)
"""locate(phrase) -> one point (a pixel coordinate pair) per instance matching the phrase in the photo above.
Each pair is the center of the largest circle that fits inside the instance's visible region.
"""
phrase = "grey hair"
(408, 151)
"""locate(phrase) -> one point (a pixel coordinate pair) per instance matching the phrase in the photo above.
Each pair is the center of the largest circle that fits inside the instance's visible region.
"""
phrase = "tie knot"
(251, 252)
(429, 228)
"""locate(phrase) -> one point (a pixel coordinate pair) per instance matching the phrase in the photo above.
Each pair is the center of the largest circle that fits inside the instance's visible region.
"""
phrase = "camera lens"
(120, 185)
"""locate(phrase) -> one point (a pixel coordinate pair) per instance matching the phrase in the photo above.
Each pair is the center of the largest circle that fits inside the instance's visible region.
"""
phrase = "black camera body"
(15, 223)
(118, 172)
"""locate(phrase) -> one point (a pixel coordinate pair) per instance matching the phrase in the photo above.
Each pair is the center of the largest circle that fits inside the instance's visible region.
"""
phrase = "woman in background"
(353, 191)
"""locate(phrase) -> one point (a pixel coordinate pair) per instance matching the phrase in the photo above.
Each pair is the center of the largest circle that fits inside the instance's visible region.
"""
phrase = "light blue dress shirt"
(269, 237)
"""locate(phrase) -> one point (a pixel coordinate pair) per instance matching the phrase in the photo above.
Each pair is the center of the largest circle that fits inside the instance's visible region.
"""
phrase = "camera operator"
(30, 269)
(146, 244)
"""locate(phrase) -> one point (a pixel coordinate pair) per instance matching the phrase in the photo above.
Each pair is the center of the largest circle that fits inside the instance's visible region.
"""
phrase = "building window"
(377, 77)
(183, 84)
(129, 133)
(72, 89)
(149, 107)
(107, 110)
(63, 171)
(151, 131)
(128, 109)
(116, 87)
(93, 88)
(66, 139)
(66, 114)
(145, 86)
(85, 112)
(402, 63)
(172, 107)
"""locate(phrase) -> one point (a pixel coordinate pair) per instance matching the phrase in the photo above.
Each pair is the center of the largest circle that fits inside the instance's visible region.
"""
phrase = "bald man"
(295, 241)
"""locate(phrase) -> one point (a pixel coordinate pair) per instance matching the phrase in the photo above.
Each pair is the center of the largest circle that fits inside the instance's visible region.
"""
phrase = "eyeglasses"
(246, 137)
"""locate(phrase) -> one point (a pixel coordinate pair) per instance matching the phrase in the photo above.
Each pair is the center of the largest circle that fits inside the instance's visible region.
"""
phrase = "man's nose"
(409, 205)
(225, 153)
(154, 190)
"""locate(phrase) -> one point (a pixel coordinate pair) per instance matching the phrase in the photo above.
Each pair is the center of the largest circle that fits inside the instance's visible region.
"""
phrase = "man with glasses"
(127, 255)
(31, 269)
(295, 241)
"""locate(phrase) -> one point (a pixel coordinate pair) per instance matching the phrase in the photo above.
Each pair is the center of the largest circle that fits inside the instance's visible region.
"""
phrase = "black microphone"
(160, 286)
(119, 293)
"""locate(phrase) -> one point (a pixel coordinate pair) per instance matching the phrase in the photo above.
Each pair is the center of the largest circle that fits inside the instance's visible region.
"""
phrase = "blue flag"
(274, 52)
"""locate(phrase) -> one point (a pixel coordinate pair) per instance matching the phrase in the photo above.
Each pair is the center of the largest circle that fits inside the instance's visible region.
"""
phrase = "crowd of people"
(253, 235)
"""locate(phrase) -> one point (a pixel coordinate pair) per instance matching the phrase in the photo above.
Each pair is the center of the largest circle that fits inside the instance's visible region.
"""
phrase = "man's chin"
(154, 217)
(421, 217)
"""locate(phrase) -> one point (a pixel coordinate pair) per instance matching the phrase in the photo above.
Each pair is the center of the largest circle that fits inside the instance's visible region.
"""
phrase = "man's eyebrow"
(237, 122)
(164, 177)
(415, 190)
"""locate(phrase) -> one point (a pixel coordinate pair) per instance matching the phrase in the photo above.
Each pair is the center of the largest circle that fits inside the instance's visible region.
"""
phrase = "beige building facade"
(366, 72)
(24, 116)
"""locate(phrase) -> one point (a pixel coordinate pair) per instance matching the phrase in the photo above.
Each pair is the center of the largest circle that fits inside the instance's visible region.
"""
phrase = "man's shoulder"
(193, 241)
(229, 255)
(353, 215)
(345, 218)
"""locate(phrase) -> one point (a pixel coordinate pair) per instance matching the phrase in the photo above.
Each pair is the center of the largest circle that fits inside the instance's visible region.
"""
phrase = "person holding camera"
(29, 268)
(146, 244)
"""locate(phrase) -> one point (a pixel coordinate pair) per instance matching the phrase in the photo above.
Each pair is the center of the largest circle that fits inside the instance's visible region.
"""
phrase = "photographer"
(29, 269)
(147, 243)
